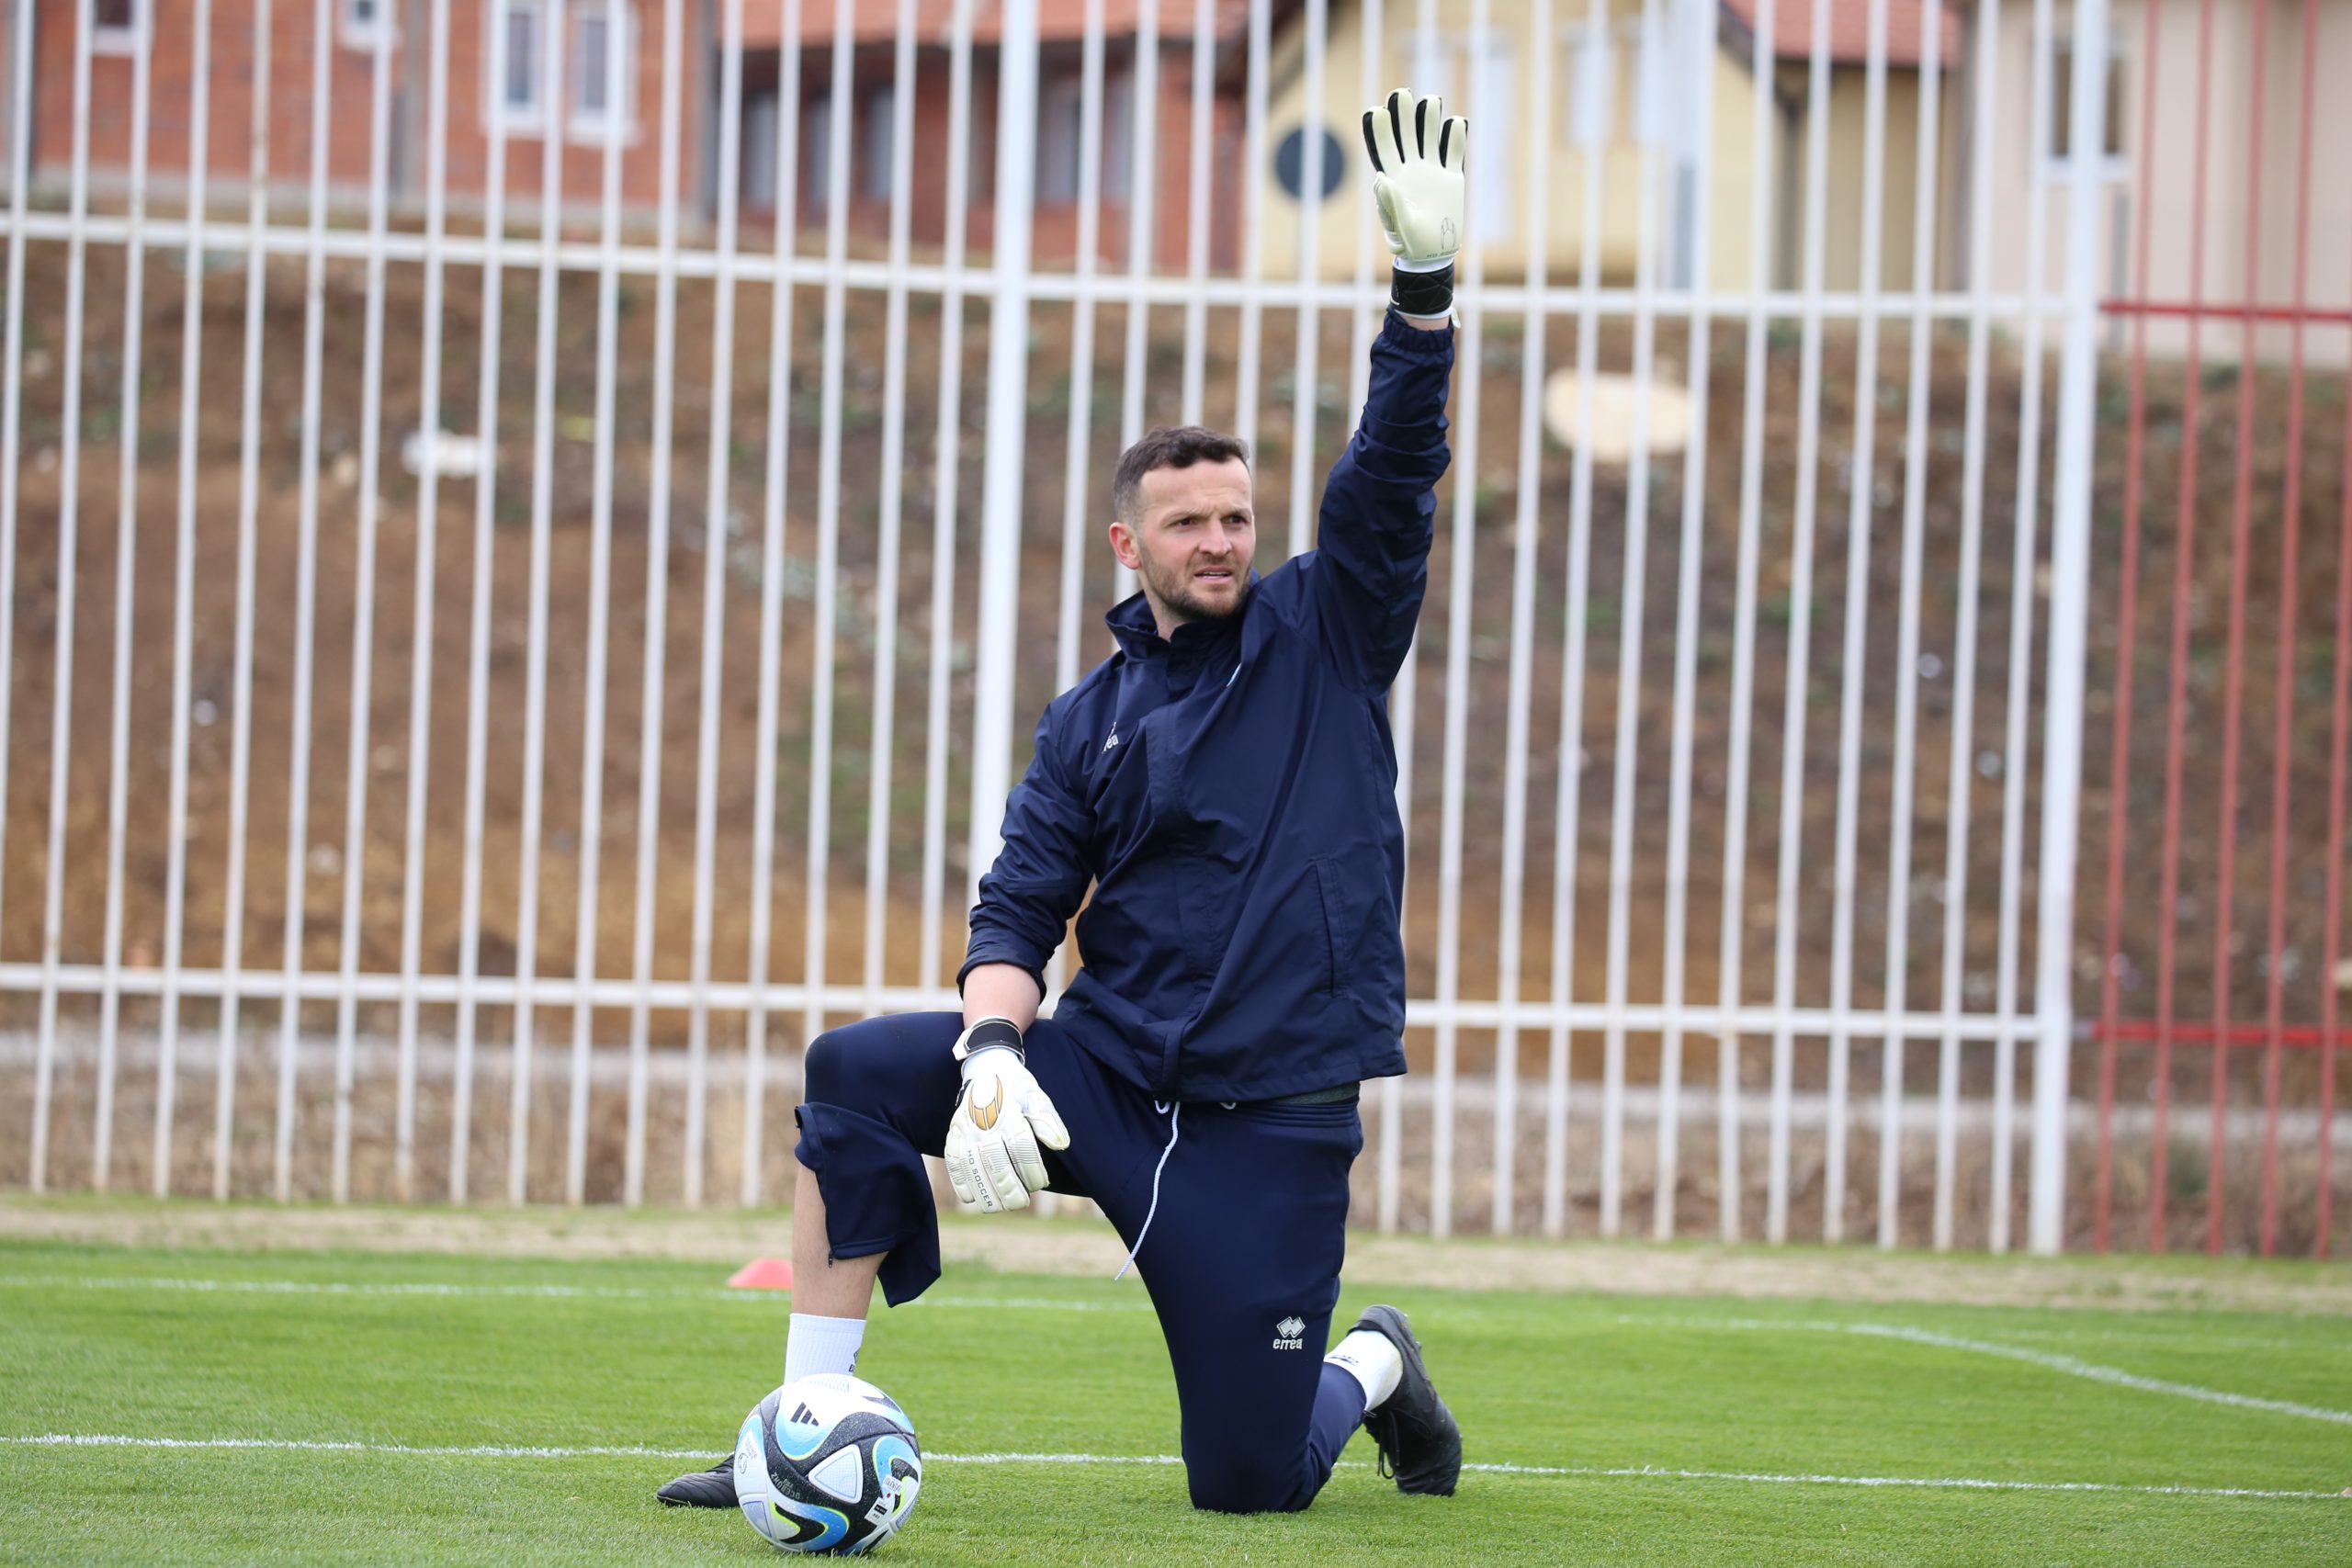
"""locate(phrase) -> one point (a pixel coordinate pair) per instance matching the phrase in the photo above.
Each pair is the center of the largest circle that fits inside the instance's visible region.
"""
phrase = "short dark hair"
(1169, 447)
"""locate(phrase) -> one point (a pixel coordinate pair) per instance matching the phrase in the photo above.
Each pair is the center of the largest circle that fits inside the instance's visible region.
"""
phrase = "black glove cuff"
(1422, 293)
(990, 1033)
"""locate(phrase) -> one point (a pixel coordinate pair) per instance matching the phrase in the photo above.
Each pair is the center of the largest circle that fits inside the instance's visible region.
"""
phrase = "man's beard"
(1178, 598)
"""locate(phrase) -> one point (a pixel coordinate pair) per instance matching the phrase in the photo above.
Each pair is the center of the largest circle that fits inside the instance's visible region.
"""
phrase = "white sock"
(1373, 1360)
(815, 1344)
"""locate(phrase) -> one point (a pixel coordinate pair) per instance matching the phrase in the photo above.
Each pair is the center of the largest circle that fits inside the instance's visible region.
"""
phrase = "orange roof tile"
(1850, 29)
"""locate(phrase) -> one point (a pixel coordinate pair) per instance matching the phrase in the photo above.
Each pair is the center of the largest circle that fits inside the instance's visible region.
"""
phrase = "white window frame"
(2051, 167)
(500, 117)
(105, 40)
(354, 33)
(619, 120)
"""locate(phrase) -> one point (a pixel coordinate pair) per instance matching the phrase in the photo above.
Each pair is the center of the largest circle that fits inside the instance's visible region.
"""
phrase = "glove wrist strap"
(988, 1034)
(1422, 293)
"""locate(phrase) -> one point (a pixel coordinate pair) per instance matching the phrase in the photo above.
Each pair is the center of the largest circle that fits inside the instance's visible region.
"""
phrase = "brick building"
(601, 80)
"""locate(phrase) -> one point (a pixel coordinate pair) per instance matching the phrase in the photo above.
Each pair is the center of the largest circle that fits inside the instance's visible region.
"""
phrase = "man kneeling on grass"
(1226, 782)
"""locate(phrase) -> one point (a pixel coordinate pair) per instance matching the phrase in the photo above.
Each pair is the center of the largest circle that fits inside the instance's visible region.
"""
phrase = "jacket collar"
(1138, 637)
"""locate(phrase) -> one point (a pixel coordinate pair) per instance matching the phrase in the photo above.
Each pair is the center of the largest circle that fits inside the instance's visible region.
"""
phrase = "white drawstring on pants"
(1173, 1111)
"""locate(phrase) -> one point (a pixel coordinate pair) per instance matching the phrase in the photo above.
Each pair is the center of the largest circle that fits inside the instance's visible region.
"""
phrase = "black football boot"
(712, 1488)
(1421, 1446)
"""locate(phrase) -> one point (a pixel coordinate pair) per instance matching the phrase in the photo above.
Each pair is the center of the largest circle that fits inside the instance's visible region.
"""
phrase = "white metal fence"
(1650, 842)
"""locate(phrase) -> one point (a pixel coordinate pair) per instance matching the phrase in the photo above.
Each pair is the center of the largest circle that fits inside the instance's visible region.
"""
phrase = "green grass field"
(315, 1405)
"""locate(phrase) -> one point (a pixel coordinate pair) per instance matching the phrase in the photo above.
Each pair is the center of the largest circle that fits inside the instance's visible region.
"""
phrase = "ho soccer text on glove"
(1417, 157)
(1001, 1118)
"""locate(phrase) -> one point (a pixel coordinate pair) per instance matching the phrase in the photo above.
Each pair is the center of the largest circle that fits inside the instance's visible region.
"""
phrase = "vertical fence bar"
(182, 593)
(1076, 503)
(12, 378)
(1896, 994)
(1568, 805)
(1143, 190)
(1694, 37)
(1306, 362)
(1522, 630)
(2234, 676)
(1633, 598)
(1731, 946)
(1860, 506)
(2016, 744)
(1459, 608)
(535, 698)
(1197, 220)
(297, 792)
(717, 528)
(1796, 686)
(772, 529)
(1007, 403)
(2332, 938)
(126, 579)
(828, 529)
(1389, 1163)
(363, 621)
(588, 896)
(886, 583)
(2184, 541)
(1253, 220)
(2283, 684)
(2070, 584)
(493, 295)
(1986, 64)
(233, 923)
(945, 487)
(2119, 773)
(69, 533)
(428, 569)
(657, 595)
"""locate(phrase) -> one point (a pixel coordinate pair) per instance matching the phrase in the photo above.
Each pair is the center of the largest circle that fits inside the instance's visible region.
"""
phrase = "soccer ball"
(827, 1464)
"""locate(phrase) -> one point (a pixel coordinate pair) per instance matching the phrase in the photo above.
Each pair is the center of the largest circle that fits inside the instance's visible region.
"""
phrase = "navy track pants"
(1241, 1259)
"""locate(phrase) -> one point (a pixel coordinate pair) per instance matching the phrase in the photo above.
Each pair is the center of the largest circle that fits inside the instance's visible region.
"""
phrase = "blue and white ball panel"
(827, 1464)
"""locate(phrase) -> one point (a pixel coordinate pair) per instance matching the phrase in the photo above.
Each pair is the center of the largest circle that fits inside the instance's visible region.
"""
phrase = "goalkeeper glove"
(1418, 185)
(1002, 1117)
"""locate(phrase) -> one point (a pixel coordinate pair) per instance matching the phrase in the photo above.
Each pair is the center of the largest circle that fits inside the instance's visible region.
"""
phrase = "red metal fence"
(2280, 478)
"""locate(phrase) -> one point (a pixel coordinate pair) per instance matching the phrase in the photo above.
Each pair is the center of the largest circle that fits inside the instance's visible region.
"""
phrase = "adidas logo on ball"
(1287, 1332)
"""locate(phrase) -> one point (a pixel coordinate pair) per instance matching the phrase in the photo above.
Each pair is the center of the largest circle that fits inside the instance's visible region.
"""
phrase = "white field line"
(2051, 1359)
(534, 1292)
(1570, 1472)
(2069, 1365)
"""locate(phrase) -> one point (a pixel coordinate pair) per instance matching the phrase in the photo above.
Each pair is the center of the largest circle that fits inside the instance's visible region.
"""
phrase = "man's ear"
(1122, 544)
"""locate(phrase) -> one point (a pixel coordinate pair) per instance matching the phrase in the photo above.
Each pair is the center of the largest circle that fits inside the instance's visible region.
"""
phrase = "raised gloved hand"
(1418, 186)
(1002, 1117)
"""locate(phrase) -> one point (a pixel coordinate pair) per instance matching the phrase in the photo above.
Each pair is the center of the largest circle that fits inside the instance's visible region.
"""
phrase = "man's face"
(1190, 541)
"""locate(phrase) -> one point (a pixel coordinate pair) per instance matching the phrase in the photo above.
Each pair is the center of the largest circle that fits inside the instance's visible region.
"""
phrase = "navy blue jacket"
(1231, 795)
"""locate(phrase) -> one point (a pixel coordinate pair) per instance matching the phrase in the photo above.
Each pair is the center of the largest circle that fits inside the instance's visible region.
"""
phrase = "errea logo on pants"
(1288, 1334)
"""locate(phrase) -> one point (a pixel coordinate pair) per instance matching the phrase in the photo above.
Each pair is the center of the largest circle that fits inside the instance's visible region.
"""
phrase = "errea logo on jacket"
(1288, 1334)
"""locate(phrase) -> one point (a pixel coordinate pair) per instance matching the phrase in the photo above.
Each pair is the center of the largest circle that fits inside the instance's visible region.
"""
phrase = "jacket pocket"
(1330, 901)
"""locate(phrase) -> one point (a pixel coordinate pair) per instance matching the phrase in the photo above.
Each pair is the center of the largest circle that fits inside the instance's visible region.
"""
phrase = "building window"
(881, 105)
(116, 25)
(1061, 127)
(517, 93)
(366, 24)
(603, 70)
(2058, 161)
(817, 153)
